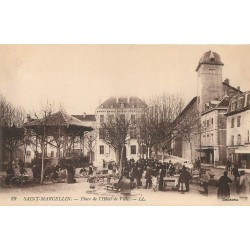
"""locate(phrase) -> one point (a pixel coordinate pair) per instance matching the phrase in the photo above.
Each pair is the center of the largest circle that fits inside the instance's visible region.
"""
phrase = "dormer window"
(241, 103)
(233, 105)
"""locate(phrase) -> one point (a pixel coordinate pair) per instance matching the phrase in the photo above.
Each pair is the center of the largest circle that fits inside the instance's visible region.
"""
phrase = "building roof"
(59, 118)
(126, 102)
(86, 118)
(189, 105)
(217, 105)
(239, 103)
(226, 83)
(210, 57)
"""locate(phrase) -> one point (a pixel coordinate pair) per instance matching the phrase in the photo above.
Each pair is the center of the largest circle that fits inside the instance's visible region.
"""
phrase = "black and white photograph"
(127, 124)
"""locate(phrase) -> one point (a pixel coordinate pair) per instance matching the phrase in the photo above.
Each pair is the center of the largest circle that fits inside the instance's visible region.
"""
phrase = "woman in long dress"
(223, 187)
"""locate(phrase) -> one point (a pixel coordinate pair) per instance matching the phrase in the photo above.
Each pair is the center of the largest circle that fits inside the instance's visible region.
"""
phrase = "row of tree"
(48, 129)
(160, 122)
(12, 133)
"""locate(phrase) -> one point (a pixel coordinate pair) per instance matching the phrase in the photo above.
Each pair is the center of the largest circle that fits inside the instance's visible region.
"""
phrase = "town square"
(124, 125)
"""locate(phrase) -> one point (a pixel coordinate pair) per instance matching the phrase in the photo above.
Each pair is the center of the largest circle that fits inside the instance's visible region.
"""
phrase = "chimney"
(226, 81)
(238, 88)
(84, 115)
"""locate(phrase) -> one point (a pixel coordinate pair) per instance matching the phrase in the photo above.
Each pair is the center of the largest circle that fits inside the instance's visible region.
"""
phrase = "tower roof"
(210, 57)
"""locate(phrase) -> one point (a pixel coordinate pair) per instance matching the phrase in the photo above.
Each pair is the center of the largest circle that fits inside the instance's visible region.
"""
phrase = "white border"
(143, 22)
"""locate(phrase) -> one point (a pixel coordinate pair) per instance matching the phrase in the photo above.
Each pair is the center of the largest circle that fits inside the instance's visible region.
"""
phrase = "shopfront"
(243, 156)
(206, 155)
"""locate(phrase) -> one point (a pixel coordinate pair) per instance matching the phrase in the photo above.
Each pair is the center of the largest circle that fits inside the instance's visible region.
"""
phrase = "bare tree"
(12, 134)
(41, 131)
(89, 142)
(115, 133)
(157, 128)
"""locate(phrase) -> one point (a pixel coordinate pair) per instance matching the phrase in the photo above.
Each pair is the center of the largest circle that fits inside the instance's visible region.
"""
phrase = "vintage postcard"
(113, 125)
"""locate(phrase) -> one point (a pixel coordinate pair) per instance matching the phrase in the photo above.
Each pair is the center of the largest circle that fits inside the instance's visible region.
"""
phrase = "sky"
(80, 77)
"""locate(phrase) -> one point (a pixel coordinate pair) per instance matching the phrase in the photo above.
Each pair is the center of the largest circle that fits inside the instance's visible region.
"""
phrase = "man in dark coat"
(223, 187)
(171, 168)
(70, 174)
(148, 177)
(162, 175)
(235, 172)
(187, 177)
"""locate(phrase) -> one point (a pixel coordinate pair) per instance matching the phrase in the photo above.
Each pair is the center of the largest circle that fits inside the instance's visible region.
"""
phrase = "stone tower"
(210, 85)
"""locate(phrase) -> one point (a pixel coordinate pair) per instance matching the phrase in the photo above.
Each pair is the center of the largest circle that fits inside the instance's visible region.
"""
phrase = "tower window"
(212, 71)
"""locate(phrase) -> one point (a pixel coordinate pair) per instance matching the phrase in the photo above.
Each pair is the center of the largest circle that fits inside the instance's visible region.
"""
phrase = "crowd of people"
(153, 172)
(51, 172)
(145, 173)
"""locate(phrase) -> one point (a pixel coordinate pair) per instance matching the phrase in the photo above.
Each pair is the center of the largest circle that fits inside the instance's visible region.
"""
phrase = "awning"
(243, 150)
(204, 148)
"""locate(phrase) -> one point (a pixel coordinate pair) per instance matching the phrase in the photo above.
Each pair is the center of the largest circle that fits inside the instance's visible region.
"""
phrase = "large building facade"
(238, 129)
(213, 95)
(131, 108)
(213, 132)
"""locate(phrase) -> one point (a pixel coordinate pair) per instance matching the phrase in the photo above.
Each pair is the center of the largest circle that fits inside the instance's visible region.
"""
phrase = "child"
(154, 182)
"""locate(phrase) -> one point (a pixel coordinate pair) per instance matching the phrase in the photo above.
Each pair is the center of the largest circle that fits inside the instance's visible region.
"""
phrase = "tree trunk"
(11, 158)
(118, 160)
(162, 154)
(149, 152)
(59, 152)
(43, 147)
(42, 170)
(90, 156)
(25, 152)
(121, 159)
(191, 151)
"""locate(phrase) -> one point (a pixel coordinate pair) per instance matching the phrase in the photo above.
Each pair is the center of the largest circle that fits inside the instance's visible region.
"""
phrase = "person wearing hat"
(148, 177)
(124, 184)
(223, 187)
(187, 177)
(205, 178)
(244, 184)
